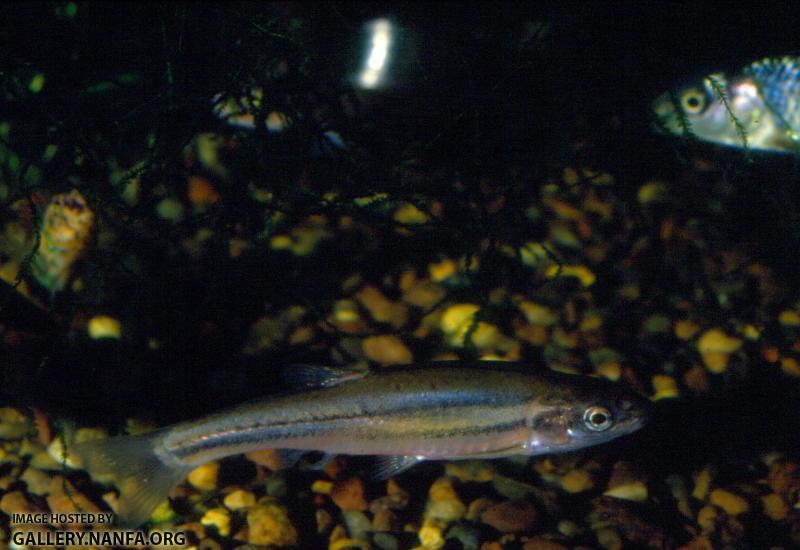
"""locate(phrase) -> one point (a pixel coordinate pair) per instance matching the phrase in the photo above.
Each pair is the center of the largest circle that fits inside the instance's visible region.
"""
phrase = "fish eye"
(597, 418)
(693, 101)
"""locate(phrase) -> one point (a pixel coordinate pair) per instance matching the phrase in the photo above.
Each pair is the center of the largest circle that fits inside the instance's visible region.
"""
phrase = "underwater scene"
(390, 276)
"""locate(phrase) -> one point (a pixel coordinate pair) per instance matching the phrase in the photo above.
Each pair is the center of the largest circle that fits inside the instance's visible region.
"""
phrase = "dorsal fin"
(778, 81)
(304, 377)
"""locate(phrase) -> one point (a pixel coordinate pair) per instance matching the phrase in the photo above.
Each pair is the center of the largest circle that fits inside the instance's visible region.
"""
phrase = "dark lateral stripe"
(257, 435)
(475, 430)
(410, 404)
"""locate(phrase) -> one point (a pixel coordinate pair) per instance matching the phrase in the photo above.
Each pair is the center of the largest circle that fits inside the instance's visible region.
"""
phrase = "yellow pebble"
(706, 518)
(458, 317)
(590, 323)
(218, 518)
(470, 470)
(170, 209)
(732, 504)
(409, 214)
(269, 524)
(442, 270)
(204, 477)
(635, 491)
(609, 539)
(387, 349)
(407, 279)
(239, 499)
(577, 481)
(535, 335)
(443, 502)
(345, 543)
(346, 311)
(537, 314)
(163, 513)
(567, 340)
(789, 318)
(301, 335)
(775, 507)
(751, 332)
(716, 340)
(533, 253)
(430, 535)
(652, 192)
(715, 347)
(485, 335)
(366, 201)
(103, 326)
(281, 242)
(716, 361)
(702, 483)
(382, 308)
(322, 487)
(580, 272)
(610, 369)
(685, 330)
(442, 489)
(339, 532)
(424, 294)
(665, 386)
(790, 366)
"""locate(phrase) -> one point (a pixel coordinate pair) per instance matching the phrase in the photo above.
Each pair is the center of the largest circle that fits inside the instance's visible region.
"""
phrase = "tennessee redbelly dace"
(403, 415)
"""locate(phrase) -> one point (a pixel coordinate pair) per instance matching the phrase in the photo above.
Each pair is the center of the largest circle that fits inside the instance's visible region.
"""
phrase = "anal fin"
(286, 458)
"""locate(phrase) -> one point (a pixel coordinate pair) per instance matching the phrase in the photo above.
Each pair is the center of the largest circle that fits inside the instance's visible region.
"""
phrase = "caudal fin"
(142, 472)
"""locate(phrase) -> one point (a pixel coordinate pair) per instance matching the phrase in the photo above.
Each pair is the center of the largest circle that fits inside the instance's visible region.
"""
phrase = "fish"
(247, 111)
(243, 112)
(437, 411)
(758, 108)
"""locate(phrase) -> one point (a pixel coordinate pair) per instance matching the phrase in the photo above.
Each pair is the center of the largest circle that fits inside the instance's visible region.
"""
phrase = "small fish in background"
(757, 109)
(241, 112)
(244, 112)
(444, 411)
(67, 227)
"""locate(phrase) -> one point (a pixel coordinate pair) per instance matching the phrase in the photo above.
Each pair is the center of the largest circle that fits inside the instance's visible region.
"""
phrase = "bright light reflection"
(380, 41)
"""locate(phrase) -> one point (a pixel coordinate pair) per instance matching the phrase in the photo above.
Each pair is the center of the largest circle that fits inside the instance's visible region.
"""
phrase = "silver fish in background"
(757, 109)
(440, 411)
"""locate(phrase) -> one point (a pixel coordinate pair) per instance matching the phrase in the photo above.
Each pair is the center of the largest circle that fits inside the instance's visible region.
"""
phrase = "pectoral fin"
(390, 466)
(322, 462)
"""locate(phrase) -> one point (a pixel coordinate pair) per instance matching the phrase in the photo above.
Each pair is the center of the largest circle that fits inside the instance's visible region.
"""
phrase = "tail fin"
(143, 473)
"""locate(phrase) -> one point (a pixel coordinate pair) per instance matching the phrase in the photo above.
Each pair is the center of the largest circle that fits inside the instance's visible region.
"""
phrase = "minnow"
(443, 411)
(758, 108)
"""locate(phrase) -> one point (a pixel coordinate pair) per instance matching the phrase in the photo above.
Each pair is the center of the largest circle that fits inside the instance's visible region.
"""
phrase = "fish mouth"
(637, 411)
(636, 423)
(665, 119)
(663, 105)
